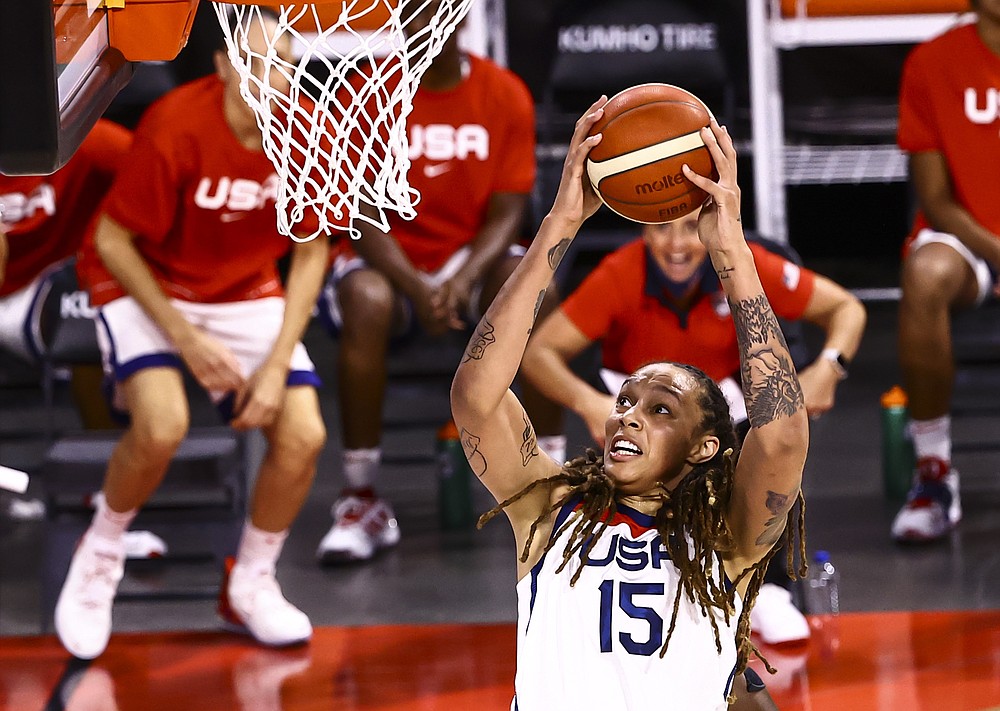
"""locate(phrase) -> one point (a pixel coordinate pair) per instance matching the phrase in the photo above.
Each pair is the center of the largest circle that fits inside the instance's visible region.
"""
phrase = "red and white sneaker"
(251, 601)
(83, 612)
(362, 525)
(932, 508)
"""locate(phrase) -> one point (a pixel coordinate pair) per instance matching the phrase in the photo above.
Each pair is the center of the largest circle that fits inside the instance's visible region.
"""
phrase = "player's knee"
(366, 297)
(305, 439)
(160, 436)
(931, 274)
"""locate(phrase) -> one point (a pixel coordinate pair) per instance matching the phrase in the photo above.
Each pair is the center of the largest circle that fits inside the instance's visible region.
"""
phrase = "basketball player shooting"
(637, 568)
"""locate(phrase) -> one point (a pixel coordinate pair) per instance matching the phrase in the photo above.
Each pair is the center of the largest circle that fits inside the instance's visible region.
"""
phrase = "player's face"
(420, 14)
(653, 434)
(676, 248)
(259, 40)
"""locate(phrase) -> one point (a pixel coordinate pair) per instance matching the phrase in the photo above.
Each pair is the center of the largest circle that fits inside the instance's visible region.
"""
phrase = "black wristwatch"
(837, 360)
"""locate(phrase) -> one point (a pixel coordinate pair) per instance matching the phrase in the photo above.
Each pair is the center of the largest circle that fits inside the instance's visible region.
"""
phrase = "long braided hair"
(691, 522)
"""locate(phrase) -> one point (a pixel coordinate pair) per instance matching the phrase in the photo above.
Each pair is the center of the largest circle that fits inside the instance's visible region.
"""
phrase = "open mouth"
(622, 449)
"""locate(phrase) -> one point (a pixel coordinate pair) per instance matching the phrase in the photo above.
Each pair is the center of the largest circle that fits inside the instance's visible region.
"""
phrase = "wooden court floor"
(921, 661)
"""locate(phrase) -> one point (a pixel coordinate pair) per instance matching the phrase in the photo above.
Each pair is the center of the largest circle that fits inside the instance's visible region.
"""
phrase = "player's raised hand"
(212, 364)
(261, 399)
(576, 199)
(719, 225)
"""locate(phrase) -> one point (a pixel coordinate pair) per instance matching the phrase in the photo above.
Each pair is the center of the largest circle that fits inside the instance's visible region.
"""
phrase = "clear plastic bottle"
(823, 586)
(823, 601)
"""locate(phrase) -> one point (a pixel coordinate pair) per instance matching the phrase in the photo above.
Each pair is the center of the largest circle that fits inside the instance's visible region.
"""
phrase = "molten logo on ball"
(667, 181)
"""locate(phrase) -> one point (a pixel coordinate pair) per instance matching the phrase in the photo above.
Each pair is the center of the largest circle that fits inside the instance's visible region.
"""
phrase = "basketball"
(650, 131)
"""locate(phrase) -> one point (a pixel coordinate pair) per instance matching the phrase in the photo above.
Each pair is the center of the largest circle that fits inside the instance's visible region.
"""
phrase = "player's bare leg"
(545, 415)
(159, 421)
(363, 523)
(368, 303)
(935, 280)
(251, 597)
(295, 441)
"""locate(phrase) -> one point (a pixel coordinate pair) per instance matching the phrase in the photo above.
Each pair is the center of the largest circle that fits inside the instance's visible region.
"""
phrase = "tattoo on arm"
(558, 252)
(481, 340)
(470, 445)
(725, 272)
(778, 505)
(529, 444)
(538, 307)
(770, 385)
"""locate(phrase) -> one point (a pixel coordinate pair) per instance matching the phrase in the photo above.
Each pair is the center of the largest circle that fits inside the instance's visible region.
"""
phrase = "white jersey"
(596, 645)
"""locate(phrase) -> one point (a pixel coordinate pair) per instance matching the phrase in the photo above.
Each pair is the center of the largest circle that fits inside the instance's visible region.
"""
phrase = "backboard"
(58, 74)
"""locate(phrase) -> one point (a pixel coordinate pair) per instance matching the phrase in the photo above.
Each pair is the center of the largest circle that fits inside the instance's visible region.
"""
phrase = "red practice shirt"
(200, 204)
(46, 217)
(465, 144)
(950, 102)
(616, 304)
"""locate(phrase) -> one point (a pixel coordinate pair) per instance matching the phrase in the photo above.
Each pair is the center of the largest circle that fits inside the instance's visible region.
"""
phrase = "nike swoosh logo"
(232, 216)
(436, 169)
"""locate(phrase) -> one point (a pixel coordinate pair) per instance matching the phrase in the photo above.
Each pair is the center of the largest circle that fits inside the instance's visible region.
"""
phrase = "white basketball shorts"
(131, 341)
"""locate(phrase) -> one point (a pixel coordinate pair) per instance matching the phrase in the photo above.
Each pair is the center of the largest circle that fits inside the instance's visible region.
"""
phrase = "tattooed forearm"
(770, 385)
(557, 253)
(529, 443)
(481, 340)
(778, 505)
(538, 307)
(470, 445)
(755, 323)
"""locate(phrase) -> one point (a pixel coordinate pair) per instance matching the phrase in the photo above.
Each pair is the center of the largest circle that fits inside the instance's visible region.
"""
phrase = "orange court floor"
(884, 661)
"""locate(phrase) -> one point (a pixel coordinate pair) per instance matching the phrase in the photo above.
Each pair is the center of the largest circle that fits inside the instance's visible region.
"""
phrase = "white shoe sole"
(339, 556)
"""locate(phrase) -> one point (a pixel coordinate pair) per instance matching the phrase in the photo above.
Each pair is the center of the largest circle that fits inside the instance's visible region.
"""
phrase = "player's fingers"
(590, 115)
(728, 146)
(706, 184)
(725, 165)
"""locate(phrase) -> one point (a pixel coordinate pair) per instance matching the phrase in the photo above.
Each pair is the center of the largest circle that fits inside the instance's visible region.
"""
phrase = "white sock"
(554, 446)
(932, 438)
(361, 466)
(109, 524)
(259, 549)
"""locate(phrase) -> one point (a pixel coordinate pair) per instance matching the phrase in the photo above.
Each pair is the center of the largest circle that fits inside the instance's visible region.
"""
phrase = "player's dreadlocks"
(691, 522)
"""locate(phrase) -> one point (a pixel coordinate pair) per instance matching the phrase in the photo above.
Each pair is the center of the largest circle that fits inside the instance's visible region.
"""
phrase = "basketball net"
(337, 138)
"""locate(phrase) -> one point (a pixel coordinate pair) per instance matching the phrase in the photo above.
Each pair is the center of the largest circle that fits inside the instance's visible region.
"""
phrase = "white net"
(332, 100)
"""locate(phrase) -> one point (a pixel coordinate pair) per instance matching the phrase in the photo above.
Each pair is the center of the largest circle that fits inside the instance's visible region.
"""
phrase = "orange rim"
(372, 18)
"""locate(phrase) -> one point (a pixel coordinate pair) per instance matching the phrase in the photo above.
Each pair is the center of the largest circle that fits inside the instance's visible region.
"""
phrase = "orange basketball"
(650, 131)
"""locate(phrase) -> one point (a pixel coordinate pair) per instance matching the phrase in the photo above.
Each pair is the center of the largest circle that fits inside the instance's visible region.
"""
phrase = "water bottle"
(454, 475)
(823, 602)
(898, 458)
(823, 586)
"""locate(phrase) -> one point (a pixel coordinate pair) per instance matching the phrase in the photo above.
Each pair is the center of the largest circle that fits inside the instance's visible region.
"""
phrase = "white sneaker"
(26, 509)
(775, 619)
(932, 507)
(251, 601)
(144, 544)
(83, 613)
(362, 524)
